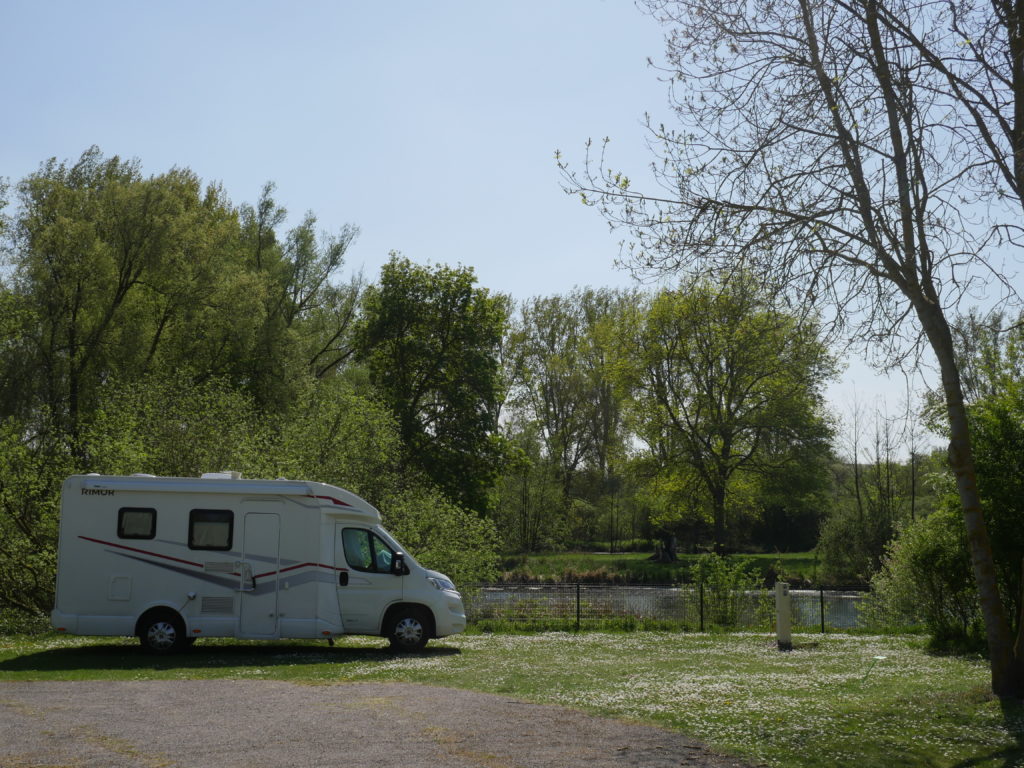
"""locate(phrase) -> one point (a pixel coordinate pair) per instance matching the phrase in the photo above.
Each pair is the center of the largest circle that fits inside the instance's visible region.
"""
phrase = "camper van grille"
(218, 605)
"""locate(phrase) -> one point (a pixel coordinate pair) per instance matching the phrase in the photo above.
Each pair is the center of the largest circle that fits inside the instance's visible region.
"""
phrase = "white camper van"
(172, 559)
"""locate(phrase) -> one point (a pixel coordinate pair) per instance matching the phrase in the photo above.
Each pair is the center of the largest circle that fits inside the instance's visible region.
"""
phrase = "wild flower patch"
(835, 700)
(830, 702)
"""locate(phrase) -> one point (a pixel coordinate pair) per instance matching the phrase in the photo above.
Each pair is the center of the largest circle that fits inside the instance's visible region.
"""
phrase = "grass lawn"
(637, 567)
(830, 702)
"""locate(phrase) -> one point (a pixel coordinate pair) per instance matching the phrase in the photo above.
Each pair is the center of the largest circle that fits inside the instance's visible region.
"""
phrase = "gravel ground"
(252, 724)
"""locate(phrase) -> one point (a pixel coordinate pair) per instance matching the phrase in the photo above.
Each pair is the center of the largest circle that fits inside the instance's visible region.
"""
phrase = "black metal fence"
(694, 608)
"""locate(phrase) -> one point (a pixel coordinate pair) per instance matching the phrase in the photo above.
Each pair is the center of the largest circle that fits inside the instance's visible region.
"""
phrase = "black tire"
(162, 633)
(409, 630)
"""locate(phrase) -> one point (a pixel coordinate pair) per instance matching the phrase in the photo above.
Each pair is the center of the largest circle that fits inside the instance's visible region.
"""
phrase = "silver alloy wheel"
(408, 631)
(161, 635)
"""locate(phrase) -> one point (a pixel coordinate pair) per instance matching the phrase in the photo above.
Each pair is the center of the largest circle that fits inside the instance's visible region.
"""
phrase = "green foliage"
(148, 325)
(118, 276)
(717, 572)
(927, 574)
(560, 350)
(851, 545)
(430, 340)
(732, 588)
(997, 425)
(95, 251)
(334, 433)
(558, 356)
(876, 491)
(32, 468)
(530, 513)
(442, 535)
(595, 372)
(989, 351)
(173, 427)
(724, 390)
(637, 567)
(792, 500)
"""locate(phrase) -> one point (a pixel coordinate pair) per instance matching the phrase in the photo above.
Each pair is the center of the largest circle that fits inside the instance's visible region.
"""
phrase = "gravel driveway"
(257, 724)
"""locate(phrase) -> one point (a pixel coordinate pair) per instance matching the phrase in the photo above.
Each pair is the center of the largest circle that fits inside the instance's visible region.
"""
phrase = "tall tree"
(976, 50)
(550, 385)
(821, 146)
(603, 310)
(726, 385)
(430, 339)
(561, 348)
(990, 348)
(116, 275)
(298, 296)
(531, 509)
(86, 239)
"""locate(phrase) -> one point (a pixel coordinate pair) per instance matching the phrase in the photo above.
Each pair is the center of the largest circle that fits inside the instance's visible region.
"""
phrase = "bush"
(32, 467)
(442, 535)
(732, 591)
(926, 575)
(851, 545)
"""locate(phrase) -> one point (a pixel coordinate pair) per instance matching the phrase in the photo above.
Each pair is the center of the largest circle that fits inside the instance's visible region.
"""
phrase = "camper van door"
(258, 576)
(370, 585)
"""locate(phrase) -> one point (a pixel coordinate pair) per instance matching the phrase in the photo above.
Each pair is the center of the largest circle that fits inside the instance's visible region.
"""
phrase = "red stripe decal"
(142, 551)
(331, 499)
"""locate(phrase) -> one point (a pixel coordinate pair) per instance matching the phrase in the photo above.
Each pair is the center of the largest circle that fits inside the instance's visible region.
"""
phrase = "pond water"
(684, 604)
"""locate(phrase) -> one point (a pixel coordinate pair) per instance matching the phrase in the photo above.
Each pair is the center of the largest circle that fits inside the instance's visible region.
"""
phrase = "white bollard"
(783, 616)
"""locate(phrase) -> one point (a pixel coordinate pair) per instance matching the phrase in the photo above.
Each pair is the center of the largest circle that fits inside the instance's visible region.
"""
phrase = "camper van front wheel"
(162, 632)
(410, 630)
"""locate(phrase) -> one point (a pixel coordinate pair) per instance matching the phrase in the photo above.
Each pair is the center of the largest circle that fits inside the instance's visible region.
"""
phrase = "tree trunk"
(664, 549)
(718, 512)
(1004, 654)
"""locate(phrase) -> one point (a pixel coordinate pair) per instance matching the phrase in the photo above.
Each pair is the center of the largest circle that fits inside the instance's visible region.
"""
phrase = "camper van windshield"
(395, 545)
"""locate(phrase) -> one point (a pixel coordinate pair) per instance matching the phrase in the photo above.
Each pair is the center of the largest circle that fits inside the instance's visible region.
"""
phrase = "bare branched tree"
(847, 151)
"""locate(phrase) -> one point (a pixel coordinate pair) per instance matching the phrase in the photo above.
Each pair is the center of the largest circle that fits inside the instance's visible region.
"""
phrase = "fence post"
(702, 606)
(577, 607)
(821, 596)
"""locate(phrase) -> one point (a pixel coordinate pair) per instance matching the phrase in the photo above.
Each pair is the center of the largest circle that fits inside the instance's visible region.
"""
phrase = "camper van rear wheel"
(410, 630)
(162, 632)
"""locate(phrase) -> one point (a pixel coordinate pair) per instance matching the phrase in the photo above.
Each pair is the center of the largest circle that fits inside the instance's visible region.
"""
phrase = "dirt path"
(268, 724)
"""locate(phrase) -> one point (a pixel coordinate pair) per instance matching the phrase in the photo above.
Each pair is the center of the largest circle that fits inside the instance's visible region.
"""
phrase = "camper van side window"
(210, 529)
(365, 551)
(136, 523)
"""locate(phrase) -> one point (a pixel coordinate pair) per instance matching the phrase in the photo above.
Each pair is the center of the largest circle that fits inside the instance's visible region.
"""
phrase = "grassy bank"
(638, 568)
(833, 701)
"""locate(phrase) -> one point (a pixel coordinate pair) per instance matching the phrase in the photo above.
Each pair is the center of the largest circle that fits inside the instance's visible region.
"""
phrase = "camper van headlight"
(442, 584)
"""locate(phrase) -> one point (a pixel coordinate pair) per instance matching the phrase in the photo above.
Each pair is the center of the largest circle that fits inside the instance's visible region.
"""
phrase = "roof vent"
(221, 476)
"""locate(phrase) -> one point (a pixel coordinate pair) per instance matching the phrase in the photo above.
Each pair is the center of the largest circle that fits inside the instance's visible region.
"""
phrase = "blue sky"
(431, 126)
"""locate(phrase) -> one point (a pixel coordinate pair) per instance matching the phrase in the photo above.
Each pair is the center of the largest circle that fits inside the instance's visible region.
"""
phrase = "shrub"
(732, 590)
(926, 574)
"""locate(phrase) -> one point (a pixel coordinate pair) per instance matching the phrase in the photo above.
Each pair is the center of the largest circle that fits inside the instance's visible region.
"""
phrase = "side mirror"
(398, 566)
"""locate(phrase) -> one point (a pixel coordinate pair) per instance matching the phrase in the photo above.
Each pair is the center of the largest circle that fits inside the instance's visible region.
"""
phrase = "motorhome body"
(174, 559)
